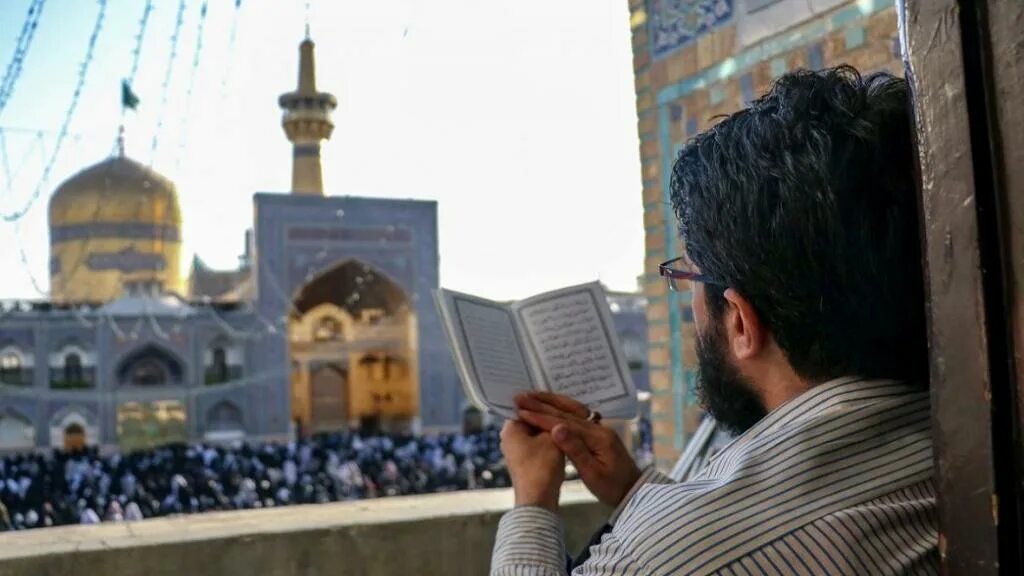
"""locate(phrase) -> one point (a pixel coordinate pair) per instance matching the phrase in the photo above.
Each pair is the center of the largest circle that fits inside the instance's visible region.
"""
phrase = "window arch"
(148, 372)
(224, 416)
(73, 372)
(10, 366)
(150, 365)
(218, 365)
(327, 328)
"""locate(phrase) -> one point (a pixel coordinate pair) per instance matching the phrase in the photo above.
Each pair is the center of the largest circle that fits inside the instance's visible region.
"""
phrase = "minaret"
(307, 121)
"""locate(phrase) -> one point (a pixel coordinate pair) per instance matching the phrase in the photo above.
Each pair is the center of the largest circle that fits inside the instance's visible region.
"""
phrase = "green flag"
(128, 98)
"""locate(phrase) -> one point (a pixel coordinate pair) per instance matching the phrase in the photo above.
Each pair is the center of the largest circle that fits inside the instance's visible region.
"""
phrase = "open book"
(561, 341)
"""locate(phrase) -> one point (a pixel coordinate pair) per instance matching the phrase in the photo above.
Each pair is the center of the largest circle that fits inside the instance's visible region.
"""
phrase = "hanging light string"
(83, 72)
(137, 51)
(21, 46)
(165, 87)
(22, 253)
(11, 175)
(130, 79)
(23, 257)
(231, 52)
(183, 123)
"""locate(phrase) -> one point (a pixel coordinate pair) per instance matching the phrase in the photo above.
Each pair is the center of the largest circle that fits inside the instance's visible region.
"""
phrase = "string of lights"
(21, 46)
(22, 254)
(155, 326)
(83, 72)
(139, 37)
(5, 158)
(231, 51)
(12, 175)
(136, 58)
(183, 123)
(23, 257)
(165, 87)
(115, 327)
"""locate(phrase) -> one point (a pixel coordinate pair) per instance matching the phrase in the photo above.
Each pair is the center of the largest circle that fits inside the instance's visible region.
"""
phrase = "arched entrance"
(352, 340)
(224, 422)
(150, 366)
(74, 437)
(73, 427)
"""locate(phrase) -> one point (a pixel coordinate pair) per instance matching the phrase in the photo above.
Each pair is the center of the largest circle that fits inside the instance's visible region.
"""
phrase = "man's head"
(803, 210)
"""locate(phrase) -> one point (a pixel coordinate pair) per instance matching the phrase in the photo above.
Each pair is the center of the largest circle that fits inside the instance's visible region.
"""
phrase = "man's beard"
(723, 391)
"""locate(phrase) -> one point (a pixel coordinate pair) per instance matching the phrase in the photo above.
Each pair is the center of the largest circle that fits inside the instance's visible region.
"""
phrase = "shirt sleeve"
(529, 540)
(649, 476)
(529, 543)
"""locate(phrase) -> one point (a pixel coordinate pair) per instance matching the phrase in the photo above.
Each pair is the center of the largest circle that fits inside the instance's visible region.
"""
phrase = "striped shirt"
(835, 481)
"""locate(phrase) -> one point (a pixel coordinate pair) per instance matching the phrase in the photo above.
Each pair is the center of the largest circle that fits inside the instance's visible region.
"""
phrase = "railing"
(213, 378)
(17, 377)
(87, 379)
(447, 534)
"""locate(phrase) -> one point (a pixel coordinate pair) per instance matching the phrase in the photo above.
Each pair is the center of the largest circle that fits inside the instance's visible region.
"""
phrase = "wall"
(448, 534)
(693, 61)
(104, 341)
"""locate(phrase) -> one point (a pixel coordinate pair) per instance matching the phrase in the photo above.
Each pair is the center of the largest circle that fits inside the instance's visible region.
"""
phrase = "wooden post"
(964, 62)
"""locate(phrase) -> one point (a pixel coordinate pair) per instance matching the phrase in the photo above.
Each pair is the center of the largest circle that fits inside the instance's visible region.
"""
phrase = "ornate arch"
(150, 364)
(224, 415)
(353, 285)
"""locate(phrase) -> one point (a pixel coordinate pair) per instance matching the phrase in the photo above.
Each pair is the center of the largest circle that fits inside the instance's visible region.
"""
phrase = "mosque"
(326, 323)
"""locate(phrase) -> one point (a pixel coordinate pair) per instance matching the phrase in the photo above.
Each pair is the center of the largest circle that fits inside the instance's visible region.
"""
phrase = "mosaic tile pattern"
(676, 23)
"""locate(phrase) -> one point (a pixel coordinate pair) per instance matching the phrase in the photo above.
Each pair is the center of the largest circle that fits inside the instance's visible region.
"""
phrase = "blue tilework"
(672, 24)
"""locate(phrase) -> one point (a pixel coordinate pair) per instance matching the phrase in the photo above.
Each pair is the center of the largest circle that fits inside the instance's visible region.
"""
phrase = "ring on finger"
(593, 416)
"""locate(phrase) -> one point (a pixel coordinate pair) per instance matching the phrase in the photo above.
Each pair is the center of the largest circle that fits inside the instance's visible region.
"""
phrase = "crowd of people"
(85, 487)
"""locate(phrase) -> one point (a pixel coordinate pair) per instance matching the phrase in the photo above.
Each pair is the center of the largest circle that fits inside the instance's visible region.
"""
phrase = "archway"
(151, 365)
(16, 432)
(73, 368)
(224, 422)
(12, 366)
(352, 340)
(72, 427)
(74, 437)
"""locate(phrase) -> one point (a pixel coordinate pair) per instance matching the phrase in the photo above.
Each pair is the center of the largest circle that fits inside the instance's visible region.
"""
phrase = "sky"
(517, 116)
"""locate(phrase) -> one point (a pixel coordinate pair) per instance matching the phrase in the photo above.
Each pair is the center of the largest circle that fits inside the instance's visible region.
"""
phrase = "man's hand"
(604, 464)
(536, 465)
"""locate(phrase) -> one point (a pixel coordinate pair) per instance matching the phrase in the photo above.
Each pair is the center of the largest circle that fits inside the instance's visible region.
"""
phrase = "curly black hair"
(806, 204)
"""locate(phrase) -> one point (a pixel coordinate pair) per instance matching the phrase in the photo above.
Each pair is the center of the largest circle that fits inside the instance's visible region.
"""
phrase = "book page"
(495, 358)
(571, 336)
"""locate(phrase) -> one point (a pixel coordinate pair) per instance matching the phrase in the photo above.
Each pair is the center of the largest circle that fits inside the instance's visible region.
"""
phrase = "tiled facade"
(694, 60)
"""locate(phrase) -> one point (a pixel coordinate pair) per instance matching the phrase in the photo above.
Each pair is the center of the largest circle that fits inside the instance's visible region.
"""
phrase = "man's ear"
(745, 334)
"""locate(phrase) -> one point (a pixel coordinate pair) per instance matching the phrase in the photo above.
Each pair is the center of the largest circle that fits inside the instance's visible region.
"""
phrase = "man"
(799, 219)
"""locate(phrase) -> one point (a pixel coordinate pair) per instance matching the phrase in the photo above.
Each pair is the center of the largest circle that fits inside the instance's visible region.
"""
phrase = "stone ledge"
(433, 534)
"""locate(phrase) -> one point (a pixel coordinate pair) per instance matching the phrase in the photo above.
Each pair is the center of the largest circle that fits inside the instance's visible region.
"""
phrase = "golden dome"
(119, 187)
(111, 223)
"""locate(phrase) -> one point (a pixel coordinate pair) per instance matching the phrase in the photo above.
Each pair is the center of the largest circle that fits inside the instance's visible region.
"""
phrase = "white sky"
(517, 116)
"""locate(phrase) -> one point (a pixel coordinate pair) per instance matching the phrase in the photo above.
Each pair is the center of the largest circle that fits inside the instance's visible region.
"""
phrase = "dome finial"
(120, 140)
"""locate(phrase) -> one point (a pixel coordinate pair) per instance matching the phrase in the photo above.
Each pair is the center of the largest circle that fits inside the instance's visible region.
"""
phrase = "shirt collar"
(824, 397)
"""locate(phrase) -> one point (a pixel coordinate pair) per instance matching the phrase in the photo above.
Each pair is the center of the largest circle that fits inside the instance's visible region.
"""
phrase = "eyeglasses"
(674, 275)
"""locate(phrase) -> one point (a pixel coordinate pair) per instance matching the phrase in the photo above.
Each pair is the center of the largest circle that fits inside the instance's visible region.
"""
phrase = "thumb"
(574, 448)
